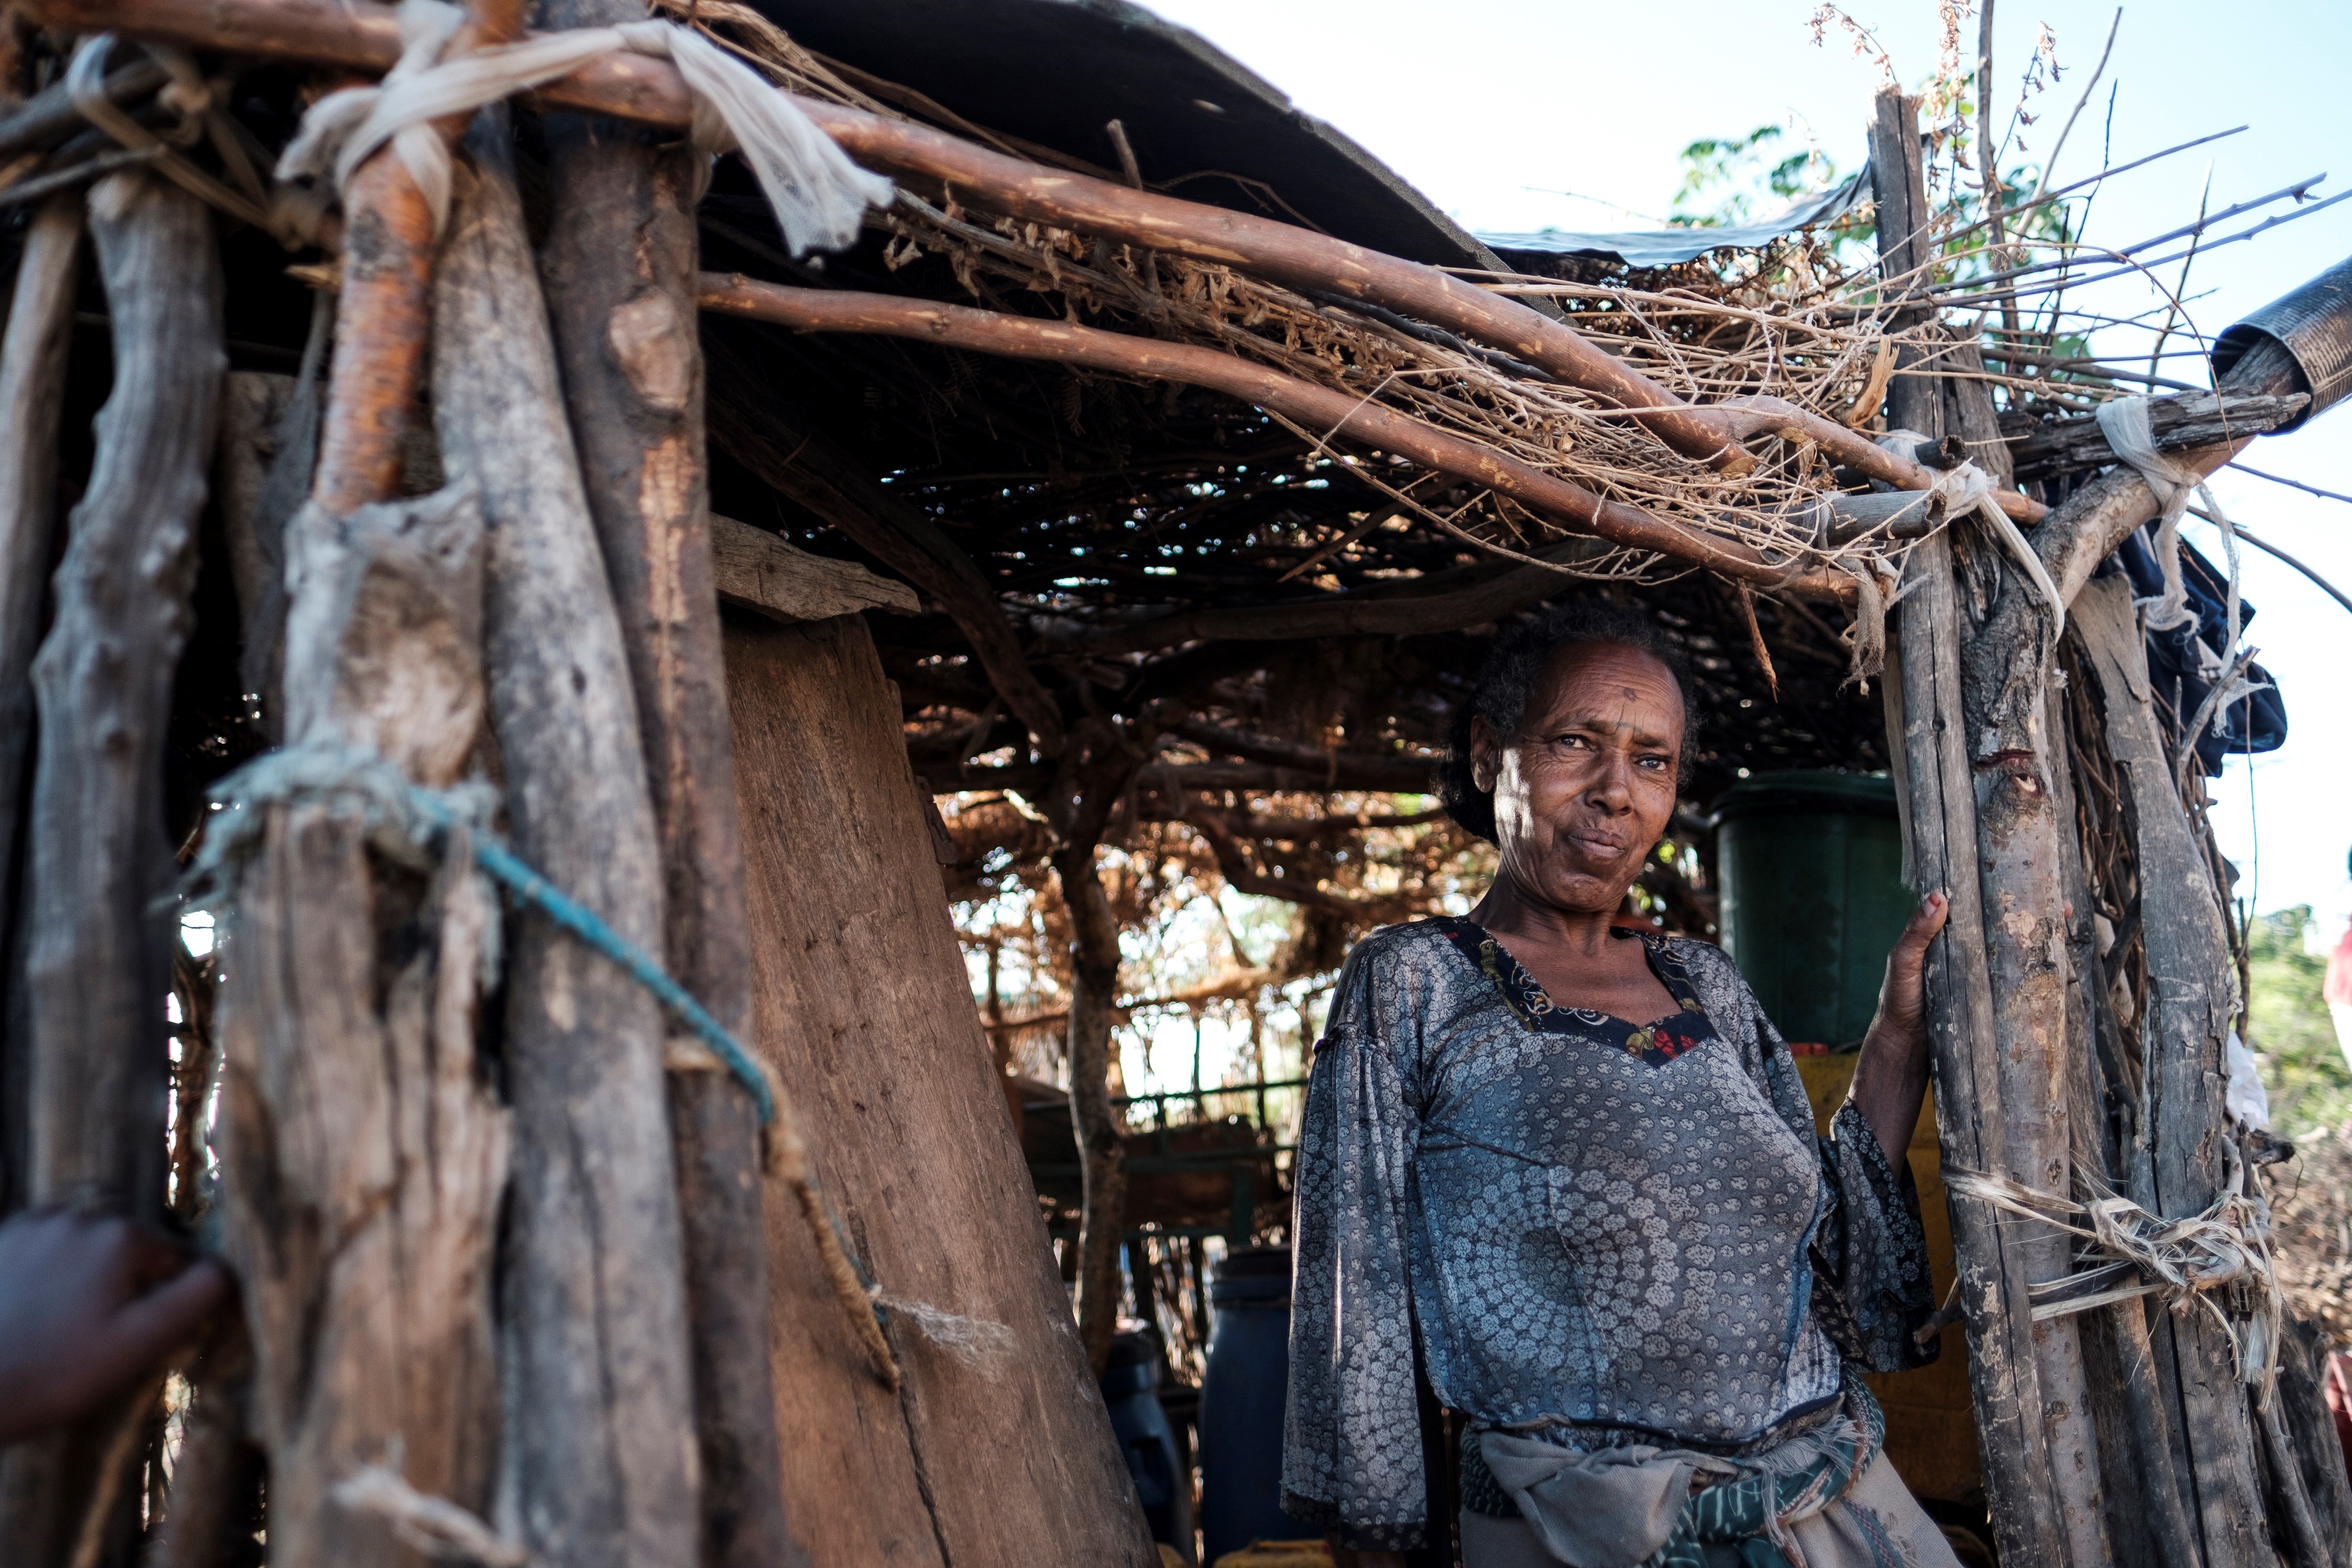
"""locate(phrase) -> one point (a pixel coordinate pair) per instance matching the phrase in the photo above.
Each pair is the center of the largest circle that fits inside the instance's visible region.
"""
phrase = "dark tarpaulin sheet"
(1672, 247)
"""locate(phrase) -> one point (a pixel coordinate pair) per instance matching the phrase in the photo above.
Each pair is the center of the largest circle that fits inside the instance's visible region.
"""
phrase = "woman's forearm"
(1890, 1083)
(1890, 1079)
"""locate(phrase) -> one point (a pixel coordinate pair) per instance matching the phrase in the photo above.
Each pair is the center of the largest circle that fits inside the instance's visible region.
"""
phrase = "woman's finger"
(1926, 921)
(144, 1331)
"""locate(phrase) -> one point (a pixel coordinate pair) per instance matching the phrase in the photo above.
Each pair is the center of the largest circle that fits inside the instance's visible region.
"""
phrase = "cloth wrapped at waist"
(1662, 1508)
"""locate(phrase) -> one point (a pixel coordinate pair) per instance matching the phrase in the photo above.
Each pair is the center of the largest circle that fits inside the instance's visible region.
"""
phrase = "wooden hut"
(586, 1087)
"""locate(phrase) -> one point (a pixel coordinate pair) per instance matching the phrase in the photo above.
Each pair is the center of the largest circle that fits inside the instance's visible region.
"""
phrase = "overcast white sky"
(1488, 105)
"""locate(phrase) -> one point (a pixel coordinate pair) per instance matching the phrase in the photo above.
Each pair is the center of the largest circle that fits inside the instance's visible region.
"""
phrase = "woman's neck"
(1508, 911)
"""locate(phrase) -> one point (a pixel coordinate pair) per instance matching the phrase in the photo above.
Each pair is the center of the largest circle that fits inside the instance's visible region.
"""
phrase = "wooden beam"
(1343, 772)
(2189, 418)
(49, 118)
(757, 571)
(97, 949)
(599, 1417)
(619, 260)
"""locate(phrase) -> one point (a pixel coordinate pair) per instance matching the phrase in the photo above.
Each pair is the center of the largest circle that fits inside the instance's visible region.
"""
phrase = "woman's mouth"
(1599, 846)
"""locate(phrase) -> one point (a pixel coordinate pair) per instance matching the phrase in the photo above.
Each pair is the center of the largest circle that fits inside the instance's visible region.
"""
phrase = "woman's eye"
(1655, 764)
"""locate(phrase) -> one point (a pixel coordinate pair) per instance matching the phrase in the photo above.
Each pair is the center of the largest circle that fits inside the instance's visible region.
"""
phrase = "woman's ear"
(1485, 753)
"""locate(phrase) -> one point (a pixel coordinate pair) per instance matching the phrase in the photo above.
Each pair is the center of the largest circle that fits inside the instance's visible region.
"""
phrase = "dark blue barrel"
(1131, 1387)
(1241, 1403)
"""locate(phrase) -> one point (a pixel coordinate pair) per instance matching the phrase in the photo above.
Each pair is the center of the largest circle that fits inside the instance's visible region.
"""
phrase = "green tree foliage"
(1728, 179)
(2289, 1028)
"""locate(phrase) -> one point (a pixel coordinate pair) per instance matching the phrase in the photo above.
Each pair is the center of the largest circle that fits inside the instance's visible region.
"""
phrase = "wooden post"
(2139, 1465)
(1102, 1151)
(2005, 665)
(98, 957)
(32, 410)
(1922, 692)
(387, 285)
(865, 1014)
(600, 1435)
(32, 407)
(620, 262)
(364, 1150)
(2188, 1017)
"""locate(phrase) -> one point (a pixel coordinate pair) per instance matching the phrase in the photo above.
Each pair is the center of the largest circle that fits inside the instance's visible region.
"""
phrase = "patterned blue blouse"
(1592, 1233)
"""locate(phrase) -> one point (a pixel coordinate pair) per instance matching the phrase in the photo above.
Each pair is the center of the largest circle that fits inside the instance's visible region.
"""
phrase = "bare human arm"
(1890, 1079)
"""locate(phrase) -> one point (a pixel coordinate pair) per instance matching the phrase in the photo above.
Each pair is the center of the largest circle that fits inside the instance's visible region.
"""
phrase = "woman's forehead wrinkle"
(1619, 716)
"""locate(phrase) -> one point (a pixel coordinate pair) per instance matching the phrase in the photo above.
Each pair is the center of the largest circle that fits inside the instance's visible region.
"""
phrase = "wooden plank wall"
(865, 1014)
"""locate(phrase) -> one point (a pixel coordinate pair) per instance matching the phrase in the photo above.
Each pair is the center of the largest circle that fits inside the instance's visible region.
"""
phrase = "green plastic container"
(1811, 872)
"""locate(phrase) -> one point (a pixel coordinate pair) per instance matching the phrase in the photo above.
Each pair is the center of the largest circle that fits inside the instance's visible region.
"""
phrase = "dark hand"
(1892, 1076)
(88, 1305)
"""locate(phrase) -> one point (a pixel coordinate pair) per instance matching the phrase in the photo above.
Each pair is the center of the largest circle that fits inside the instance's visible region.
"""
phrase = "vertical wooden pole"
(620, 260)
(2188, 1017)
(387, 284)
(2147, 1522)
(1923, 690)
(1092, 776)
(32, 405)
(98, 960)
(364, 1151)
(600, 1445)
(2022, 834)
(1102, 1155)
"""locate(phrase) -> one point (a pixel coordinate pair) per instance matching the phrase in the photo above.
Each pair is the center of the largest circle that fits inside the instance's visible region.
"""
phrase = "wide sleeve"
(1352, 1462)
(1869, 1251)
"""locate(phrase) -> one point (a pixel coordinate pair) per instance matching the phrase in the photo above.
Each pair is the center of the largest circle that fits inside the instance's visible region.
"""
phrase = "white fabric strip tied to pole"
(819, 197)
(1968, 488)
(2124, 421)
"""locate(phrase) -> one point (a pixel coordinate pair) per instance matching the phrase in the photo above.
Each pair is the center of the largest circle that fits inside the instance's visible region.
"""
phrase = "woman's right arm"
(1352, 1462)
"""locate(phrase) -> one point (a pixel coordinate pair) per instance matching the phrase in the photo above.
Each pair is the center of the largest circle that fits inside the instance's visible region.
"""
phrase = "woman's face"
(1587, 787)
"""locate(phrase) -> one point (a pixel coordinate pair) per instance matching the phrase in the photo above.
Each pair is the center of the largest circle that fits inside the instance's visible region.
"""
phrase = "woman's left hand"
(1903, 999)
(1892, 1076)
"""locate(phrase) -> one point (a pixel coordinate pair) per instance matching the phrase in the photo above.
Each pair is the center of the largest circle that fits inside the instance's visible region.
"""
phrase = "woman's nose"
(1611, 783)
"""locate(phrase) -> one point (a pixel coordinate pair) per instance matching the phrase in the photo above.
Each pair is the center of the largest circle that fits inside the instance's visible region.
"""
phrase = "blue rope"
(584, 923)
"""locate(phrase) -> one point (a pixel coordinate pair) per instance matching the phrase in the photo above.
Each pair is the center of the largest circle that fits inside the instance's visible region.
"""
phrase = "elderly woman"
(1566, 1172)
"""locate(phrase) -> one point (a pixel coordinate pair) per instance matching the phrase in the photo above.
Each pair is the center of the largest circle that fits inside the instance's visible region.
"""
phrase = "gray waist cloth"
(1601, 1509)
(1616, 1507)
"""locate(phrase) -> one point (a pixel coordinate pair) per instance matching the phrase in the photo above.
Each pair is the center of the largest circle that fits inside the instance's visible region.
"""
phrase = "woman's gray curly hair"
(1507, 683)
